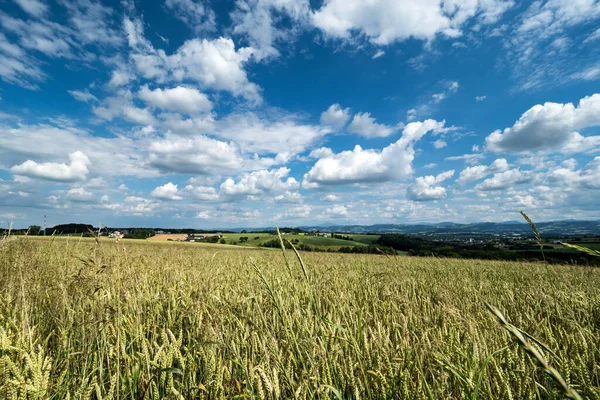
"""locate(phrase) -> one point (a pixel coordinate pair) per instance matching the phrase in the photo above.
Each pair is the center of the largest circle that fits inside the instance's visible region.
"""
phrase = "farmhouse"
(193, 237)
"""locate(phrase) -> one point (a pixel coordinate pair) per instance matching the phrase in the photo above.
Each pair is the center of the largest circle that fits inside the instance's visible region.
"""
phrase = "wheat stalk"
(568, 391)
(536, 232)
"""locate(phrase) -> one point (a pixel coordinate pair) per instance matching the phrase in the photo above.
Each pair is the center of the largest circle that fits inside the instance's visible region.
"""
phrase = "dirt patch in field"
(167, 236)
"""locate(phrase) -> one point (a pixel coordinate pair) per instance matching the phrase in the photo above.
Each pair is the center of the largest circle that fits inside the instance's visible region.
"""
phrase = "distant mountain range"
(510, 228)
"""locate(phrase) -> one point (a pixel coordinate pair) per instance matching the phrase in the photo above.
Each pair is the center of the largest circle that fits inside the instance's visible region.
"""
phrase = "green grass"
(317, 241)
(172, 321)
(367, 239)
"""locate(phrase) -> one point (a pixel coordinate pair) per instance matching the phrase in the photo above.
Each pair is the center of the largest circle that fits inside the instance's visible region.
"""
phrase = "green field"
(149, 320)
(256, 239)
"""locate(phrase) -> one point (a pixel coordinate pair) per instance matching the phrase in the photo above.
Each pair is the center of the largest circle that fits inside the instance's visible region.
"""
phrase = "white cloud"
(335, 116)
(119, 77)
(588, 74)
(468, 158)
(82, 95)
(330, 197)
(260, 22)
(362, 124)
(290, 197)
(586, 178)
(17, 67)
(440, 144)
(378, 54)
(80, 195)
(198, 155)
(550, 127)
(481, 171)
(504, 180)
(84, 32)
(204, 193)
(480, 98)
(203, 215)
(141, 116)
(214, 64)
(92, 23)
(180, 99)
(109, 156)
(452, 89)
(337, 210)
(386, 21)
(194, 14)
(592, 37)
(537, 44)
(427, 188)
(321, 153)
(426, 108)
(278, 134)
(76, 170)
(36, 8)
(258, 183)
(168, 191)
(180, 125)
(362, 166)
(135, 206)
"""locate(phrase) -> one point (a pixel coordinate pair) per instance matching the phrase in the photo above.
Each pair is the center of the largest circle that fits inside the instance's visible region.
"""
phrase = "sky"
(253, 113)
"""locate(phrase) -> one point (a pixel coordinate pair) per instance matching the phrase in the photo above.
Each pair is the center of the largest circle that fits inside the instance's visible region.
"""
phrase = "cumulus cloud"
(203, 215)
(362, 124)
(214, 64)
(337, 210)
(180, 125)
(180, 99)
(168, 191)
(80, 195)
(135, 205)
(76, 170)
(321, 152)
(109, 156)
(204, 193)
(198, 155)
(335, 116)
(427, 188)
(386, 21)
(260, 182)
(363, 166)
(141, 116)
(278, 134)
(504, 180)
(290, 197)
(550, 127)
(585, 178)
(330, 197)
(481, 171)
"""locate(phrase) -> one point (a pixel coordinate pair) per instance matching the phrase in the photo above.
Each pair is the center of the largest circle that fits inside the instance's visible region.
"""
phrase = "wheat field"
(81, 320)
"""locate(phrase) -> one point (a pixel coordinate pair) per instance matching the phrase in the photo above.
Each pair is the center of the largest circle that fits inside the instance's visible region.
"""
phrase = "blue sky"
(253, 113)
